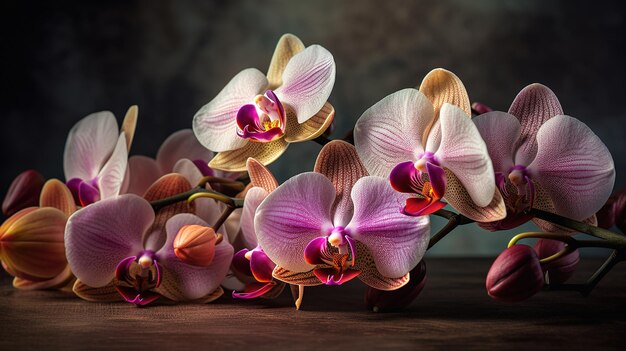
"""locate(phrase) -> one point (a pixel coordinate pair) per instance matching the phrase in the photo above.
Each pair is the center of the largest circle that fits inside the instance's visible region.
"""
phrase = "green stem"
(158, 204)
(614, 238)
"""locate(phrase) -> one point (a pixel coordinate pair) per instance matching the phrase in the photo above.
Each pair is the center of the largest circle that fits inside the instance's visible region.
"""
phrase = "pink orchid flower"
(253, 264)
(180, 153)
(96, 156)
(545, 159)
(431, 150)
(257, 115)
(335, 224)
(120, 240)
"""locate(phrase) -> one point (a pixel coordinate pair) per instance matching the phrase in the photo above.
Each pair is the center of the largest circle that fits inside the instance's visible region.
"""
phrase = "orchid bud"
(382, 301)
(195, 245)
(515, 275)
(561, 269)
(23, 192)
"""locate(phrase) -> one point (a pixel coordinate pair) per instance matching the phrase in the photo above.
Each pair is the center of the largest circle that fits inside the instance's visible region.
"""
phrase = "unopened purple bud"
(515, 275)
(23, 192)
(613, 212)
(561, 269)
(383, 301)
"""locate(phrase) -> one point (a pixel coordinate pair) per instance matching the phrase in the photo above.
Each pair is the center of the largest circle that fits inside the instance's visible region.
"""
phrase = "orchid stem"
(617, 240)
(454, 220)
(615, 257)
(229, 209)
(194, 193)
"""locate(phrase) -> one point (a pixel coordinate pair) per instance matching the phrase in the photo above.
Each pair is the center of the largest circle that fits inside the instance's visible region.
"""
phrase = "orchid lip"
(263, 120)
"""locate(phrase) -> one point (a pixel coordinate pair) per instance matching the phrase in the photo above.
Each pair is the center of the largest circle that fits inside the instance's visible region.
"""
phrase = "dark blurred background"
(65, 59)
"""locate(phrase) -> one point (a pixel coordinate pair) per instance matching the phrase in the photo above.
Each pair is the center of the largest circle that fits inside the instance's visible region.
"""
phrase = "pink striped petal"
(533, 106)
(573, 166)
(253, 199)
(89, 144)
(391, 131)
(179, 145)
(192, 282)
(339, 162)
(465, 154)
(99, 236)
(112, 175)
(500, 131)
(143, 171)
(308, 80)
(291, 216)
(215, 125)
(397, 242)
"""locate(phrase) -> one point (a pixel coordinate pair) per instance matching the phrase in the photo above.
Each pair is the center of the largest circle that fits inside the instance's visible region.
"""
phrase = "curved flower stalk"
(251, 263)
(335, 224)
(121, 245)
(546, 160)
(96, 156)
(425, 142)
(31, 241)
(258, 116)
(178, 153)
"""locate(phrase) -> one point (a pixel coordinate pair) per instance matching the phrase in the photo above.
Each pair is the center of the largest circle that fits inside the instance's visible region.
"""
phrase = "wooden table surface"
(453, 311)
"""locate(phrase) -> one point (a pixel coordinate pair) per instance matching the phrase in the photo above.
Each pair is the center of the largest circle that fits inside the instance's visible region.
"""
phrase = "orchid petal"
(112, 175)
(315, 126)
(143, 172)
(97, 238)
(89, 144)
(288, 45)
(179, 145)
(241, 264)
(56, 194)
(307, 278)
(215, 124)
(417, 206)
(405, 178)
(313, 251)
(261, 266)
(533, 106)
(168, 185)
(182, 281)
(252, 201)
(574, 167)
(500, 131)
(254, 290)
(260, 176)
(371, 276)
(31, 243)
(459, 198)
(189, 170)
(291, 216)
(235, 160)
(441, 86)
(87, 194)
(391, 131)
(329, 276)
(397, 242)
(129, 124)
(465, 154)
(60, 281)
(106, 293)
(23, 192)
(339, 162)
(308, 80)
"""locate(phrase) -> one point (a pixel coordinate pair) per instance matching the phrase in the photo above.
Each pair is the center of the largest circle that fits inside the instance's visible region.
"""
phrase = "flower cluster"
(187, 224)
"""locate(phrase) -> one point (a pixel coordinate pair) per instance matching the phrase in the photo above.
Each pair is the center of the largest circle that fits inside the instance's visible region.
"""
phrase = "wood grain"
(453, 311)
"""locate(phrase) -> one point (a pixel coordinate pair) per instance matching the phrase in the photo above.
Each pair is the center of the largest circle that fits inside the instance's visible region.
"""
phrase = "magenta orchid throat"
(206, 215)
